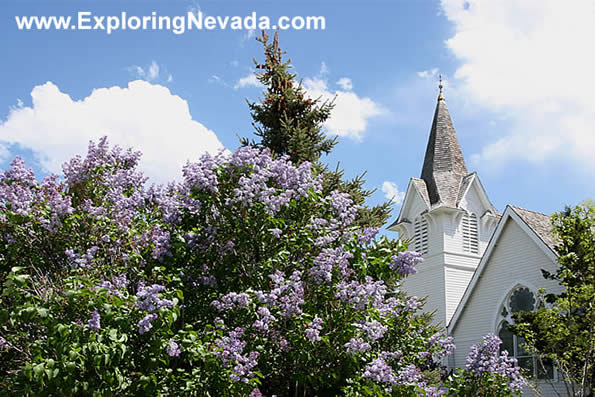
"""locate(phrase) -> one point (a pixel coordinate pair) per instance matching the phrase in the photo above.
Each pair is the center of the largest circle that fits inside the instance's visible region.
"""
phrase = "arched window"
(470, 233)
(521, 299)
(420, 239)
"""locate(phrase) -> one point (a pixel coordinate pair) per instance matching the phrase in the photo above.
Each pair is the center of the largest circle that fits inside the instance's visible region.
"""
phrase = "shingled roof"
(444, 166)
(540, 223)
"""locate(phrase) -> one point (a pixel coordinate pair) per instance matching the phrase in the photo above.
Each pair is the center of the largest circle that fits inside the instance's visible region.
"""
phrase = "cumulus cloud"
(428, 74)
(351, 113)
(345, 83)
(247, 81)
(529, 61)
(392, 193)
(148, 73)
(145, 116)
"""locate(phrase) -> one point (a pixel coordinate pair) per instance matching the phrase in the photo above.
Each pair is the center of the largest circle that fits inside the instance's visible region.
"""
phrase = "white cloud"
(144, 116)
(531, 62)
(392, 193)
(247, 81)
(345, 83)
(148, 73)
(351, 113)
(249, 34)
(428, 74)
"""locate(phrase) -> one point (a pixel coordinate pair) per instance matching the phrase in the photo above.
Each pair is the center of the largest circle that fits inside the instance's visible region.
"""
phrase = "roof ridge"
(528, 210)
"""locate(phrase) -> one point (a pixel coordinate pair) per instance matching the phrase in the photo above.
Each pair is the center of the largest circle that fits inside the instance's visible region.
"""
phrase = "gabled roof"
(416, 186)
(444, 166)
(538, 228)
(540, 223)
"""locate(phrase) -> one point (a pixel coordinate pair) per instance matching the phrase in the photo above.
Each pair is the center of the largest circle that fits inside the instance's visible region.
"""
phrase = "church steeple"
(444, 165)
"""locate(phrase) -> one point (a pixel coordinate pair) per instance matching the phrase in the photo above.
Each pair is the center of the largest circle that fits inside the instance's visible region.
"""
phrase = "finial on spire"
(440, 97)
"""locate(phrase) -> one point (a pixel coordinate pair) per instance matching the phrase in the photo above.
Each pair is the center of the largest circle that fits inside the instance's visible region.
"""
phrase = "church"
(480, 265)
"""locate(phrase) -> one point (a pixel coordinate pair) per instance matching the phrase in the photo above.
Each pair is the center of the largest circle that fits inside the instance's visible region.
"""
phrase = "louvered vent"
(470, 233)
(421, 235)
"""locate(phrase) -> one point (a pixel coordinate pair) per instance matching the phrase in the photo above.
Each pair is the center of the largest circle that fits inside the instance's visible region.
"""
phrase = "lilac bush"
(242, 278)
(488, 372)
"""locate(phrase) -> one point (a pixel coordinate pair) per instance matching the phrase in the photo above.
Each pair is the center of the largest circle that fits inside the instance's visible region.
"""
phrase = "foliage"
(290, 123)
(487, 373)
(562, 330)
(242, 279)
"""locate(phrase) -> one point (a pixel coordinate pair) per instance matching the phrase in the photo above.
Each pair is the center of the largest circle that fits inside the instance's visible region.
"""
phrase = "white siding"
(457, 280)
(429, 282)
(516, 259)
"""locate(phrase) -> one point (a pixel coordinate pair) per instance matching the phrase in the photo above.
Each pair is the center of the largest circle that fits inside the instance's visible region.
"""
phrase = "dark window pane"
(545, 369)
(526, 364)
(519, 347)
(522, 300)
(507, 339)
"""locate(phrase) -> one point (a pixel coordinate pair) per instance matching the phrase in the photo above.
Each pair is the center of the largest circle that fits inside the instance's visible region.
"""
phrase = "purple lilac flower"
(276, 232)
(264, 320)
(232, 347)
(327, 261)
(380, 372)
(145, 325)
(409, 375)
(313, 329)
(148, 298)
(367, 234)
(94, 321)
(232, 300)
(255, 393)
(356, 345)
(404, 262)
(485, 358)
(412, 304)
(374, 329)
(444, 345)
(362, 295)
(115, 284)
(173, 349)
(344, 207)
(3, 344)
(287, 294)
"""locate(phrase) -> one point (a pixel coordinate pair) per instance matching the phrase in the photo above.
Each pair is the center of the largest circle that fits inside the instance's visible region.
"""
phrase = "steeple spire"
(444, 166)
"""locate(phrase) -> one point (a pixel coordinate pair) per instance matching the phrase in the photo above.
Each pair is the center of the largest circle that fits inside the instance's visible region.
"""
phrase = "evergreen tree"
(288, 122)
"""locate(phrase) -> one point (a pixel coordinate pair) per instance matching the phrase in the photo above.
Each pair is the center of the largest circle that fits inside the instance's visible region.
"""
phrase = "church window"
(470, 233)
(420, 239)
(521, 299)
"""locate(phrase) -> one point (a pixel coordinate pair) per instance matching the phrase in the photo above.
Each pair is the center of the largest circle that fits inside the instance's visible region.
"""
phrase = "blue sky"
(518, 86)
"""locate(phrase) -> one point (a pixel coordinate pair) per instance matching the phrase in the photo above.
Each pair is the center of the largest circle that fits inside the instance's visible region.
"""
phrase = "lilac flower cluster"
(404, 262)
(362, 295)
(312, 332)
(148, 298)
(232, 347)
(409, 375)
(232, 300)
(173, 349)
(287, 295)
(83, 260)
(271, 182)
(115, 285)
(3, 344)
(485, 358)
(265, 318)
(380, 372)
(327, 261)
(367, 234)
(146, 323)
(374, 329)
(442, 345)
(344, 207)
(94, 321)
(356, 345)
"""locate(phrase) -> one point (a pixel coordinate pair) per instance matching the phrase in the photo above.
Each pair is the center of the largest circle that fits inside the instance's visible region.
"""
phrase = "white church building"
(480, 266)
